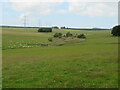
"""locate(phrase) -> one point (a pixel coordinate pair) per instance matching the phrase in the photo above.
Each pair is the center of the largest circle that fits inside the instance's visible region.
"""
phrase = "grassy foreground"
(90, 63)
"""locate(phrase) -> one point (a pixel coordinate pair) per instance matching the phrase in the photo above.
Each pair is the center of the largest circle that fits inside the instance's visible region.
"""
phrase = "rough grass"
(91, 63)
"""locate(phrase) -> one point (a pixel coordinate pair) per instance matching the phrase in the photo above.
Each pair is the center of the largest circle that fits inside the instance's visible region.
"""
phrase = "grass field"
(84, 63)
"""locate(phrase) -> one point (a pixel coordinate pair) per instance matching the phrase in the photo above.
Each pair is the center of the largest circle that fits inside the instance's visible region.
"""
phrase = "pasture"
(83, 63)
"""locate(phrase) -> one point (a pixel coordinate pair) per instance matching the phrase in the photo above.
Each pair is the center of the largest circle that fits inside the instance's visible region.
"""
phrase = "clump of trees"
(68, 34)
(116, 30)
(45, 30)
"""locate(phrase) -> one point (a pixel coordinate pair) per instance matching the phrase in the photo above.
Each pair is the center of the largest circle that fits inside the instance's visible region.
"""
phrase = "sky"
(68, 13)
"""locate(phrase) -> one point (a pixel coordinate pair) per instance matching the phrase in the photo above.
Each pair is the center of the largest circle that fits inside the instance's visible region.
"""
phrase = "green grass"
(91, 63)
(0, 58)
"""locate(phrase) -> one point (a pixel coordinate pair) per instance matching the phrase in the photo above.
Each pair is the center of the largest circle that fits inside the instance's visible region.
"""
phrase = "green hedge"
(45, 30)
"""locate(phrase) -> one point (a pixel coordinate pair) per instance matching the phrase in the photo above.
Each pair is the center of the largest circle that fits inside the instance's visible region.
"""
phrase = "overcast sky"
(73, 13)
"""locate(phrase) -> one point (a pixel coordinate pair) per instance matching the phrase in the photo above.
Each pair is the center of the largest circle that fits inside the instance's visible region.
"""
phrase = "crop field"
(64, 63)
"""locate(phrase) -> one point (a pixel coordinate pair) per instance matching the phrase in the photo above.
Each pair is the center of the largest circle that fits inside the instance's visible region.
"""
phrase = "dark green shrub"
(116, 31)
(45, 30)
(68, 34)
(50, 39)
(81, 36)
(59, 35)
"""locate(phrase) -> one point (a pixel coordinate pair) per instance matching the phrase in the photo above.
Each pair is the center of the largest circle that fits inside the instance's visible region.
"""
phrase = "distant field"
(83, 63)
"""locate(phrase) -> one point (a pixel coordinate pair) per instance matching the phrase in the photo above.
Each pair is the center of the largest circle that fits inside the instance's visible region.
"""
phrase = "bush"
(45, 30)
(68, 34)
(116, 31)
(59, 35)
(81, 36)
(50, 39)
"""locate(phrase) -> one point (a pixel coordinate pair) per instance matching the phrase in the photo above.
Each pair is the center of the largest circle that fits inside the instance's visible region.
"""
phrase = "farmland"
(68, 63)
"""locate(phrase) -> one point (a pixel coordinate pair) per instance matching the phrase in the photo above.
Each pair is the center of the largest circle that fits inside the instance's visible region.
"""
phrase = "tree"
(116, 30)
